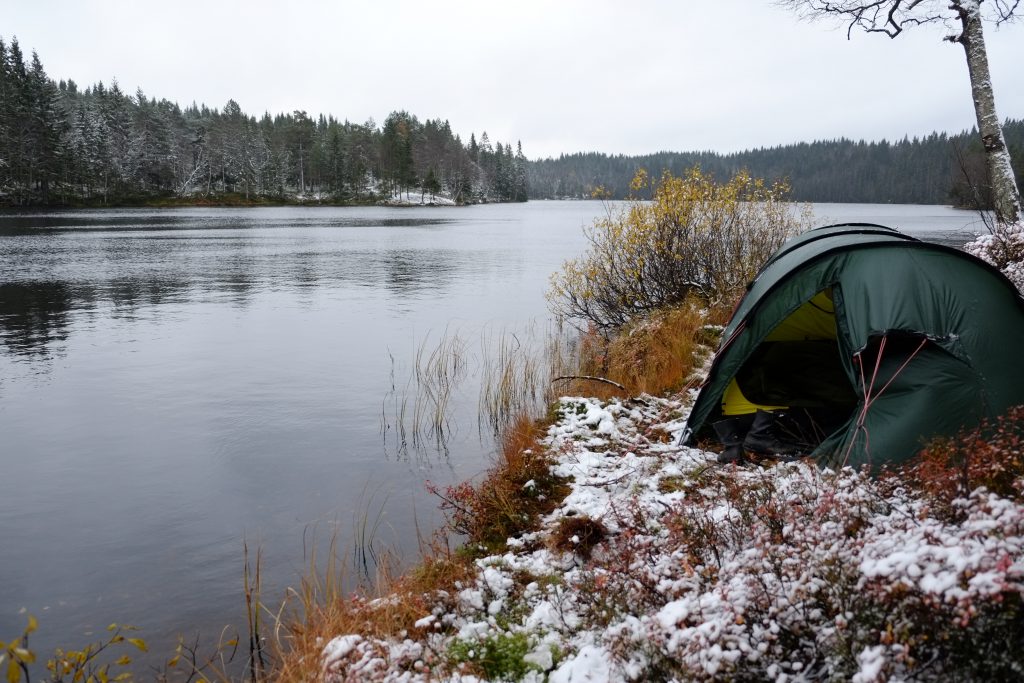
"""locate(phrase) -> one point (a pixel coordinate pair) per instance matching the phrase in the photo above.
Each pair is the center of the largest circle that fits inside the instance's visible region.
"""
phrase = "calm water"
(175, 382)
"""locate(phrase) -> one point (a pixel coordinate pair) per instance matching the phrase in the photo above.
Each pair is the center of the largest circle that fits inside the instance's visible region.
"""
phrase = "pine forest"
(62, 145)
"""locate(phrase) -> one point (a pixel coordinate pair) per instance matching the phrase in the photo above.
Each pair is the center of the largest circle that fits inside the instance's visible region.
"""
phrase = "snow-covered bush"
(1004, 249)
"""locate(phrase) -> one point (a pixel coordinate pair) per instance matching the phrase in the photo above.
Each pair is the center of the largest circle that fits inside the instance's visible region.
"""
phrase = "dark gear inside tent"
(856, 344)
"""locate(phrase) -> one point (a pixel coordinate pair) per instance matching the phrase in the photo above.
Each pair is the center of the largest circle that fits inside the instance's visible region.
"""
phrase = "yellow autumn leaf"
(13, 672)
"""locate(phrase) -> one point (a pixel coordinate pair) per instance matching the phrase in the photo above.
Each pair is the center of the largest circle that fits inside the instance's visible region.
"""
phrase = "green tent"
(885, 340)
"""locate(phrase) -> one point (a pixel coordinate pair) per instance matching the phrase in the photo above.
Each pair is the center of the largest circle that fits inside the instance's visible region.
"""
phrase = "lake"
(176, 382)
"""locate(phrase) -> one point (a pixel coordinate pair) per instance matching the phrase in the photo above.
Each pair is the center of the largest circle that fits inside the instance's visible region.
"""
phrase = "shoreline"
(660, 563)
(232, 201)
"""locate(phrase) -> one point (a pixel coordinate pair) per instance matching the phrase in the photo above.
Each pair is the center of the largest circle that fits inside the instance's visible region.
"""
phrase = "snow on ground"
(417, 198)
(710, 572)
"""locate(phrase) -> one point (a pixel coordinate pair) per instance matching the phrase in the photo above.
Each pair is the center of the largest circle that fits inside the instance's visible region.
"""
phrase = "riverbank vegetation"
(615, 554)
(661, 565)
(62, 145)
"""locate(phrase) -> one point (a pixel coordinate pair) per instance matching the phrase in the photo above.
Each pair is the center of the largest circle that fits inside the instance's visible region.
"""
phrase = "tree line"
(62, 145)
(936, 169)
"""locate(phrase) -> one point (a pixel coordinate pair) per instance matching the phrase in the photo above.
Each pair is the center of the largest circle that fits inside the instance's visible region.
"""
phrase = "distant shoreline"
(231, 201)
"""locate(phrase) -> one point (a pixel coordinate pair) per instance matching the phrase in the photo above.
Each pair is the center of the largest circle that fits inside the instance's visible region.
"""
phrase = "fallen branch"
(593, 379)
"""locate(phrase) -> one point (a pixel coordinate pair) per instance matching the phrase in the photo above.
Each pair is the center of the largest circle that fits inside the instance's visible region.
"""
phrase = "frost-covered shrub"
(1004, 249)
(516, 489)
(356, 658)
(801, 574)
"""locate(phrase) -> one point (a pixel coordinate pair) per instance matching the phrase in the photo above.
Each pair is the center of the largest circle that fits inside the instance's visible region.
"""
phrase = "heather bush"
(761, 575)
(696, 572)
(990, 455)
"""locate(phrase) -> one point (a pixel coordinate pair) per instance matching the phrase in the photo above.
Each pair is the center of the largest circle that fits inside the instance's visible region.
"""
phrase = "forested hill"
(61, 145)
(925, 170)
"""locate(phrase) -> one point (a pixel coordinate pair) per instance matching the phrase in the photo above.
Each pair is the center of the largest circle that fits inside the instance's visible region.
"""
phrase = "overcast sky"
(624, 76)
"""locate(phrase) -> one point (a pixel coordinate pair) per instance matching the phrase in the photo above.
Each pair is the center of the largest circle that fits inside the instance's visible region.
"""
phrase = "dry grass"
(655, 356)
(438, 373)
(322, 609)
(417, 415)
(508, 501)
(578, 534)
(513, 379)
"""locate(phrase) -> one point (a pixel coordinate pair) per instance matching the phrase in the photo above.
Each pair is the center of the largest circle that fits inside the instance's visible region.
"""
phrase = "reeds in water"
(516, 372)
(522, 372)
(419, 414)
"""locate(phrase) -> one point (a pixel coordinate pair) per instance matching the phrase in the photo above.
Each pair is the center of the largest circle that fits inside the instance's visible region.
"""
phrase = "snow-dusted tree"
(116, 109)
(6, 96)
(151, 147)
(520, 184)
(301, 134)
(258, 157)
(965, 18)
(233, 153)
(430, 184)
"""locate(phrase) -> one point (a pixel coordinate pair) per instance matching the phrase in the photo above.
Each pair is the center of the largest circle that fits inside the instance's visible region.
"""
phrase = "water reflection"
(129, 294)
(17, 223)
(34, 316)
(129, 260)
(407, 271)
(57, 266)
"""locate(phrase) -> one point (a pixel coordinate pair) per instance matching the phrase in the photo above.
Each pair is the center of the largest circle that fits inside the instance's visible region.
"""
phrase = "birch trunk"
(1004, 187)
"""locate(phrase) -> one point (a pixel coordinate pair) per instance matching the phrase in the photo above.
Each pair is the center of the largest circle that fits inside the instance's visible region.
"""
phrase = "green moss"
(674, 483)
(498, 657)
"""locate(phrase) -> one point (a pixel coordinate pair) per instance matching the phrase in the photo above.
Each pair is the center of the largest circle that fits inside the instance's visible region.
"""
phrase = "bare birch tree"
(965, 18)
